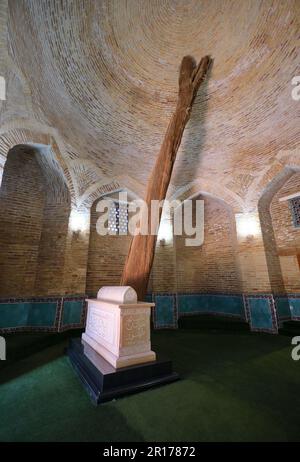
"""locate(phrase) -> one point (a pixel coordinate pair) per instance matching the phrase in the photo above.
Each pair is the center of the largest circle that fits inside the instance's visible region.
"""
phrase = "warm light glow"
(247, 224)
(165, 232)
(78, 221)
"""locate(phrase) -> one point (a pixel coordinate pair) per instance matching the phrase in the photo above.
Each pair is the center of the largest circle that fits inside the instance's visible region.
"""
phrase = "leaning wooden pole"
(141, 253)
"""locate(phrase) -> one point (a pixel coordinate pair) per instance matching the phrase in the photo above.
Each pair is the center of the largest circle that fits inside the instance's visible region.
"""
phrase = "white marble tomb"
(118, 327)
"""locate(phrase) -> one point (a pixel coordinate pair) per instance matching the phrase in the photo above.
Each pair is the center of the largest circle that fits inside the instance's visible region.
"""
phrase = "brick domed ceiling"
(97, 80)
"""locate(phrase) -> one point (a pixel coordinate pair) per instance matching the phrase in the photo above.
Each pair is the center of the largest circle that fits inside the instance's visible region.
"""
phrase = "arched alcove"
(283, 209)
(34, 215)
(22, 196)
(211, 267)
(56, 213)
(275, 275)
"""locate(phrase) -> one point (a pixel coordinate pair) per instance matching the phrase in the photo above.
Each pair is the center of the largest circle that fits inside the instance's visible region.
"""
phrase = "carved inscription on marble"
(100, 325)
(135, 329)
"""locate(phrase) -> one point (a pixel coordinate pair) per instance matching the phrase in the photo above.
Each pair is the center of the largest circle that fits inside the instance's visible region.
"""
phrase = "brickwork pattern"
(287, 235)
(94, 83)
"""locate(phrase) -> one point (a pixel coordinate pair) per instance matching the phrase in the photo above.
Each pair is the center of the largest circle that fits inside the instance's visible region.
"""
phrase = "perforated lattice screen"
(295, 210)
(118, 218)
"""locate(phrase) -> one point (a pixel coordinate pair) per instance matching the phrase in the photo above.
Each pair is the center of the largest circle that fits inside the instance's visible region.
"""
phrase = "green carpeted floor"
(236, 386)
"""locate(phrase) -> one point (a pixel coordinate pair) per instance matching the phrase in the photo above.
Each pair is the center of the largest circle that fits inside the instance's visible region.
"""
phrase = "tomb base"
(103, 382)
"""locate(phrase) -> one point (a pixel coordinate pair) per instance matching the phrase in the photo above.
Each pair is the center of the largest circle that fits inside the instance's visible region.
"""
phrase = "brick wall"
(34, 222)
(286, 235)
(21, 215)
(253, 261)
(211, 267)
(42, 255)
(52, 247)
(163, 275)
(76, 256)
(106, 257)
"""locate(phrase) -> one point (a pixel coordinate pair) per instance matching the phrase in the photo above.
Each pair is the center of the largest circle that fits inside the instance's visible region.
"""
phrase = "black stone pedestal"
(103, 382)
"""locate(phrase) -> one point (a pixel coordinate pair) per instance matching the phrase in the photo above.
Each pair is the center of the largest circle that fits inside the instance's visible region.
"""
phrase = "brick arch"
(275, 184)
(53, 177)
(104, 188)
(269, 240)
(213, 189)
(35, 208)
(214, 266)
(266, 181)
(12, 135)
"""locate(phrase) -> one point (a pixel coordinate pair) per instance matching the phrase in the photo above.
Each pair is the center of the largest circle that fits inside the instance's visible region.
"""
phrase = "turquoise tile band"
(209, 303)
(73, 314)
(165, 313)
(261, 313)
(28, 314)
(43, 314)
(56, 314)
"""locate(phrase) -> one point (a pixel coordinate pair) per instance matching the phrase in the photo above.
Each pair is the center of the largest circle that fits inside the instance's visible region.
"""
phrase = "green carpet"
(236, 386)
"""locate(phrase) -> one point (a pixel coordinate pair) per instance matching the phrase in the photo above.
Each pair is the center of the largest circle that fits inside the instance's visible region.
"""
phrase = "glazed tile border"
(270, 299)
(57, 325)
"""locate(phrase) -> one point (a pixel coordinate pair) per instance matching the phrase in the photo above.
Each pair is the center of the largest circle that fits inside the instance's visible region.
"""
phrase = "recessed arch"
(35, 206)
(213, 189)
(213, 266)
(272, 257)
(12, 135)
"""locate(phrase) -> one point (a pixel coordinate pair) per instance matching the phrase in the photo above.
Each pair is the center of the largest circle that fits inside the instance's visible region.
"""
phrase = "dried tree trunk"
(141, 253)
